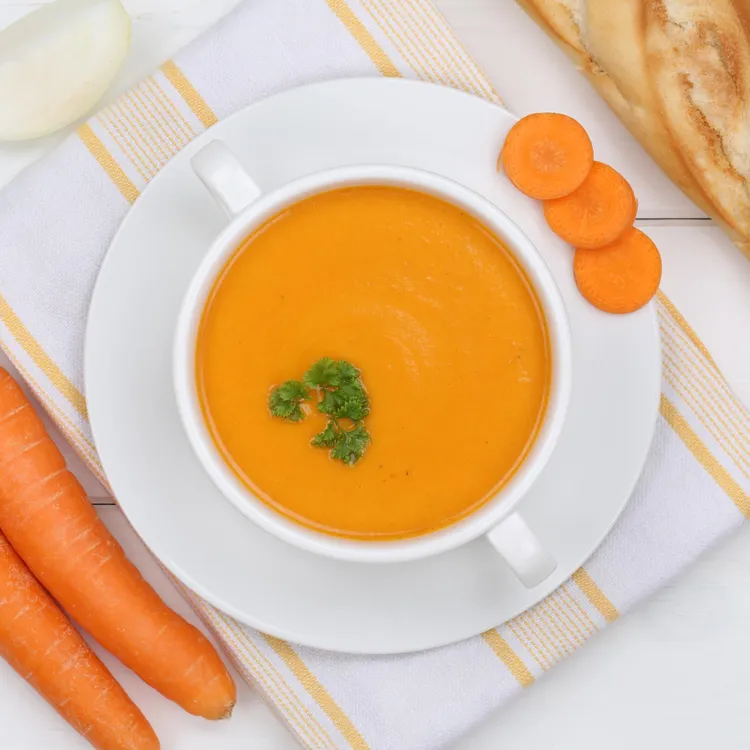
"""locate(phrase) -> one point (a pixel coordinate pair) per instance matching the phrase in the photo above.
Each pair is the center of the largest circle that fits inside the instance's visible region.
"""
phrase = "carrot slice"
(547, 155)
(46, 516)
(621, 277)
(40, 643)
(596, 214)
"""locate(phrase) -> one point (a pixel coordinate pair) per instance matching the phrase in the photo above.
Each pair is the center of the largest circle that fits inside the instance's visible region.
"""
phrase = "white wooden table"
(675, 673)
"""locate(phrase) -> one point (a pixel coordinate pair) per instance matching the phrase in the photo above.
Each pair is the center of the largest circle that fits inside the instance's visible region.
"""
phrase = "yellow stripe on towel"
(508, 657)
(707, 460)
(321, 696)
(364, 38)
(189, 93)
(40, 358)
(107, 162)
(595, 595)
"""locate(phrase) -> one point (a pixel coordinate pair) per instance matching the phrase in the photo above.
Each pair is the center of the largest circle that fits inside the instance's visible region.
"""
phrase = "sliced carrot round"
(547, 155)
(621, 277)
(596, 214)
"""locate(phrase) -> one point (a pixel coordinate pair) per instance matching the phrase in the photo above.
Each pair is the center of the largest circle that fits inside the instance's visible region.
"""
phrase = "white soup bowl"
(499, 519)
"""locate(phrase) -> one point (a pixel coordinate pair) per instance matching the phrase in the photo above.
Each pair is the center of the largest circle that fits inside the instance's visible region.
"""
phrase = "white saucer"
(200, 536)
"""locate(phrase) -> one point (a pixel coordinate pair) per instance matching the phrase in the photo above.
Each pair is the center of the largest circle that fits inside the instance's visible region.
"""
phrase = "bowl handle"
(522, 550)
(225, 178)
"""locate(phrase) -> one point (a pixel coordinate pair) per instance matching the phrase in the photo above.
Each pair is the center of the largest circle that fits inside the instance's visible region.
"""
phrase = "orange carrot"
(621, 277)
(46, 516)
(597, 213)
(547, 155)
(39, 642)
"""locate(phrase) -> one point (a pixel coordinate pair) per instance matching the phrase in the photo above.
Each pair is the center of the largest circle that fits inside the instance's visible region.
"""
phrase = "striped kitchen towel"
(56, 221)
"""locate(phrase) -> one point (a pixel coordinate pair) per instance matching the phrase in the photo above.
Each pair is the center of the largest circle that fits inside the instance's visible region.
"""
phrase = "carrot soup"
(443, 326)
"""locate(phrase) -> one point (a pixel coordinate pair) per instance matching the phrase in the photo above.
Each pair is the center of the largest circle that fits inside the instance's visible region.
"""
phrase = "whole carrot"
(46, 516)
(39, 642)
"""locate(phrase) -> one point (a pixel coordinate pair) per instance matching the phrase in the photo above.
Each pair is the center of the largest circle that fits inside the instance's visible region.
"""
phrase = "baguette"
(677, 73)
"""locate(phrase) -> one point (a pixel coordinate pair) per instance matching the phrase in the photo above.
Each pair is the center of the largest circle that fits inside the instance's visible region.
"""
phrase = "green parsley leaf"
(285, 400)
(327, 438)
(350, 445)
(348, 374)
(345, 402)
(329, 403)
(324, 373)
(355, 407)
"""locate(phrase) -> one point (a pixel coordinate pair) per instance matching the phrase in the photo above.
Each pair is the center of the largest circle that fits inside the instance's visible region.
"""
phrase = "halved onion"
(57, 62)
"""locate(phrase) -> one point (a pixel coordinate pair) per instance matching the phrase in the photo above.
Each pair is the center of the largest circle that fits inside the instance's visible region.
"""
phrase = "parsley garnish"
(350, 444)
(285, 400)
(342, 398)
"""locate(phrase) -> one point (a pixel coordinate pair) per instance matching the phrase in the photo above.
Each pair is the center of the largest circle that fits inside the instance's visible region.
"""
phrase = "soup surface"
(438, 317)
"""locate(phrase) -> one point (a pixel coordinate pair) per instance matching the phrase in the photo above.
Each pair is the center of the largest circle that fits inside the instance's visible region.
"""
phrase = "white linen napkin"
(56, 221)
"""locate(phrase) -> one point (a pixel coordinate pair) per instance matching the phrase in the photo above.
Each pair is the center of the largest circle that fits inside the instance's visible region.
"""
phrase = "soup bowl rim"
(492, 513)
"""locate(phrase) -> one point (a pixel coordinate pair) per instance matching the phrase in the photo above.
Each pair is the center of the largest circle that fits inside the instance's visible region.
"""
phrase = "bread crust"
(677, 73)
(699, 59)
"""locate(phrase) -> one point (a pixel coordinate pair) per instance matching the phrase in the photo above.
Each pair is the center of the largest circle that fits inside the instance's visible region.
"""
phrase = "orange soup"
(444, 327)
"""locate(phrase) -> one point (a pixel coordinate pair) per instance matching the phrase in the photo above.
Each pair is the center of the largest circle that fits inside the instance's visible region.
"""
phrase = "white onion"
(57, 62)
